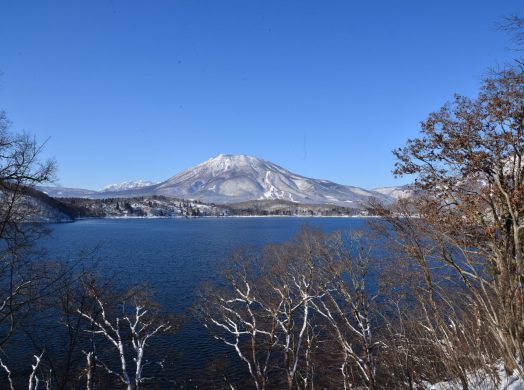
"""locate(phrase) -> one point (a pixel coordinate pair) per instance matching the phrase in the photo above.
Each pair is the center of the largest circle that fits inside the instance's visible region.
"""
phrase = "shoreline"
(224, 216)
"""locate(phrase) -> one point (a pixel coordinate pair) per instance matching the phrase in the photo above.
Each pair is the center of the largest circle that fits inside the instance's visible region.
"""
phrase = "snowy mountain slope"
(396, 192)
(237, 178)
(127, 185)
(39, 209)
(65, 192)
(31, 205)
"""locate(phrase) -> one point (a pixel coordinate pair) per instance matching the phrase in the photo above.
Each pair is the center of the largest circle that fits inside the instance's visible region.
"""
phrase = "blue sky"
(143, 89)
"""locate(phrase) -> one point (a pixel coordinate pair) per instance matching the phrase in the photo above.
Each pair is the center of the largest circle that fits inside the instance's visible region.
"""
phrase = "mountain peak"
(237, 158)
(229, 178)
(233, 162)
(232, 156)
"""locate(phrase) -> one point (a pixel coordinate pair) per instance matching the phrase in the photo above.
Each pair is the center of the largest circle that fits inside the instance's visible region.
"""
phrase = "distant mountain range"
(127, 185)
(227, 179)
(108, 191)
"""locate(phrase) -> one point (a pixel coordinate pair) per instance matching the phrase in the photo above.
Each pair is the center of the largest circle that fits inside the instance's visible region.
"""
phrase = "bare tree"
(19, 168)
(346, 306)
(126, 324)
(24, 282)
(34, 378)
(466, 221)
(233, 313)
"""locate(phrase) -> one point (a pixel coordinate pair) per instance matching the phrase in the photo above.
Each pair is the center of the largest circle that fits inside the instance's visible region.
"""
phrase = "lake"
(175, 256)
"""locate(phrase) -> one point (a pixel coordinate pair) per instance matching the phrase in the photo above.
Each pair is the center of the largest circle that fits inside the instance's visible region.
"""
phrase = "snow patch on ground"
(479, 380)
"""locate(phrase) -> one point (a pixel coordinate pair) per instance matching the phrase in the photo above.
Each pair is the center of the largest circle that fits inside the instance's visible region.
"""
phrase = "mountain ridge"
(127, 185)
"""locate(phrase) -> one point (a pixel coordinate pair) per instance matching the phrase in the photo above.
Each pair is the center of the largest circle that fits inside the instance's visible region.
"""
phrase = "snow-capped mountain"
(396, 192)
(227, 179)
(237, 178)
(127, 185)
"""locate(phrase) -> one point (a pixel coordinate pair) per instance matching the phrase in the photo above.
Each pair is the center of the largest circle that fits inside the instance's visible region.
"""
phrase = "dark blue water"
(174, 257)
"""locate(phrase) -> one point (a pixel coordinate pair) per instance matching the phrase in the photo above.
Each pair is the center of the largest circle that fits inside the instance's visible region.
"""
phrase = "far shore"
(222, 216)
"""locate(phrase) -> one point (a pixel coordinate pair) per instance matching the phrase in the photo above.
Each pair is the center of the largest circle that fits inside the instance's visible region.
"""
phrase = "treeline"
(161, 206)
(146, 206)
(287, 208)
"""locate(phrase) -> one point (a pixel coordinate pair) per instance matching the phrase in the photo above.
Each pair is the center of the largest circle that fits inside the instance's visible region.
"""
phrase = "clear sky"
(143, 89)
